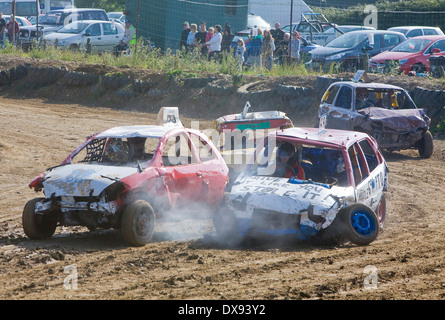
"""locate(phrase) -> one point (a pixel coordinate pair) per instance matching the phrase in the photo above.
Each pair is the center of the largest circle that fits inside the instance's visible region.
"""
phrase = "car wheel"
(426, 145)
(138, 222)
(74, 47)
(226, 226)
(36, 226)
(418, 68)
(381, 211)
(361, 224)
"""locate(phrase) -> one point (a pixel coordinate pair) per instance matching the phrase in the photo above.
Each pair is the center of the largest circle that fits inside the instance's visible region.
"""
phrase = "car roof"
(375, 31)
(372, 85)
(335, 138)
(75, 9)
(412, 27)
(144, 131)
(430, 37)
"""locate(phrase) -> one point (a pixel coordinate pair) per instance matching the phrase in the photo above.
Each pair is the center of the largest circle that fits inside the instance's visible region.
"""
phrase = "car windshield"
(348, 40)
(116, 151)
(318, 164)
(411, 45)
(75, 28)
(383, 98)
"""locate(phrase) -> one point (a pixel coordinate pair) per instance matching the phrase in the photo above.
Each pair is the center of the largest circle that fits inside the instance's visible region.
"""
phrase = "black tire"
(360, 224)
(426, 145)
(418, 68)
(74, 47)
(381, 212)
(138, 223)
(226, 226)
(37, 227)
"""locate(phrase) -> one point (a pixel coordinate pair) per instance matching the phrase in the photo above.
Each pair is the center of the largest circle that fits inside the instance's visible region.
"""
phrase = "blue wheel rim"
(363, 223)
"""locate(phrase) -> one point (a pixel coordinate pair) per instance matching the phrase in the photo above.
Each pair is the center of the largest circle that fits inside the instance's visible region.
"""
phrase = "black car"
(347, 50)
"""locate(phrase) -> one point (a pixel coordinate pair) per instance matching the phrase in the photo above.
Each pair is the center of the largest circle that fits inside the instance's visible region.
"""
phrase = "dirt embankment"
(41, 125)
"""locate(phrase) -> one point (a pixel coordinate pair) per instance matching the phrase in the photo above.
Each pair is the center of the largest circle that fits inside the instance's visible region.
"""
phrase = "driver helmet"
(362, 94)
(285, 151)
(117, 151)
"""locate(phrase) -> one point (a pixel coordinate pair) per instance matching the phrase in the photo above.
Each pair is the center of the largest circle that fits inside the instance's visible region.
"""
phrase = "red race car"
(128, 177)
(412, 54)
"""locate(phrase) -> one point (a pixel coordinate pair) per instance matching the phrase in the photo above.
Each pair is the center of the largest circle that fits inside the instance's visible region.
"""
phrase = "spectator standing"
(267, 50)
(240, 50)
(295, 46)
(254, 47)
(2, 30)
(226, 39)
(201, 38)
(184, 35)
(13, 29)
(277, 34)
(191, 37)
(282, 51)
(214, 44)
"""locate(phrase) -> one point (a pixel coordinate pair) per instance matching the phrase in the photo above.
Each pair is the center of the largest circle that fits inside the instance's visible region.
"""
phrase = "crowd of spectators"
(263, 48)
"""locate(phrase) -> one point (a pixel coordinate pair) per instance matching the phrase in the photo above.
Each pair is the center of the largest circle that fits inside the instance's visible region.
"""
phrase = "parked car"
(347, 50)
(385, 112)
(340, 196)
(415, 31)
(55, 19)
(103, 36)
(410, 55)
(127, 178)
(240, 132)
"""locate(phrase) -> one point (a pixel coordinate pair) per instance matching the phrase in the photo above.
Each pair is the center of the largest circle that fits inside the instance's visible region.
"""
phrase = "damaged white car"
(314, 183)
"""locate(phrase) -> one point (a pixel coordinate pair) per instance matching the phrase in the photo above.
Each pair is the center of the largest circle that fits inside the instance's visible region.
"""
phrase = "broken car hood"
(280, 195)
(398, 120)
(81, 180)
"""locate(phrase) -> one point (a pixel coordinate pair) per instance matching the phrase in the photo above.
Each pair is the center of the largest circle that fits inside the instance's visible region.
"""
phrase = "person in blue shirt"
(295, 46)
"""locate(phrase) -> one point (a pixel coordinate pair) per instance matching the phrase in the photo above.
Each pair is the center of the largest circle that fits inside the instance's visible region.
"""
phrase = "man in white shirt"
(215, 44)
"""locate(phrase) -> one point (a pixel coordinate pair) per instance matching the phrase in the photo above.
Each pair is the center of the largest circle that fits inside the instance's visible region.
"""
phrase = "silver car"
(103, 36)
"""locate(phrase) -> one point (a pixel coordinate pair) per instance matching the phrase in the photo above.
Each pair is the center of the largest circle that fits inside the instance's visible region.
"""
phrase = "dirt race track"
(185, 261)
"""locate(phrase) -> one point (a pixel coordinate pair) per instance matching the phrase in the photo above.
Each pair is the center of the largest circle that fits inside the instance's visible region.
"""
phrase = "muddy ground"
(185, 261)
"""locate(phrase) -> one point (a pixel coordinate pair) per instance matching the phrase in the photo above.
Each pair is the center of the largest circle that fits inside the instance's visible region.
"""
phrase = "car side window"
(390, 40)
(344, 98)
(330, 95)
(94, 30)
(177, 151)
(438, 44)
(414, 33)
(108, 30)
(377, 41)
(370, 155)
(430, 32)
(205, 151)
